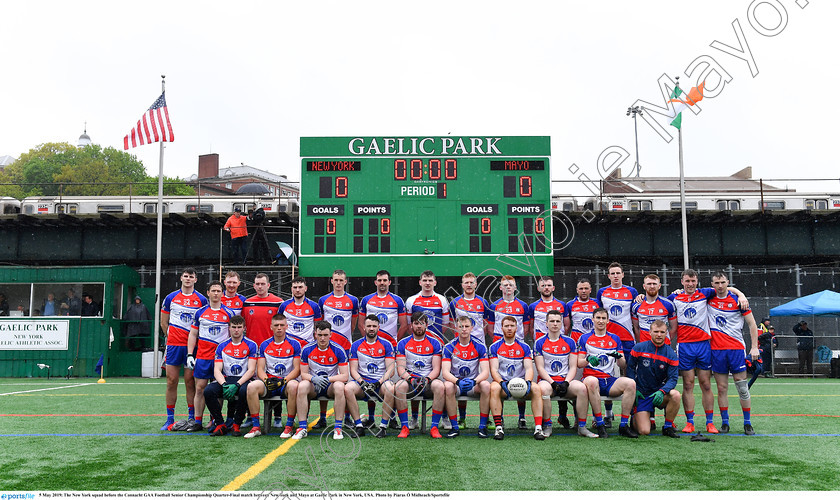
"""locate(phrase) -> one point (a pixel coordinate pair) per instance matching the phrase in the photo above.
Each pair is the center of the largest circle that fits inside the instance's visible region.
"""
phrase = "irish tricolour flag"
(684, 101)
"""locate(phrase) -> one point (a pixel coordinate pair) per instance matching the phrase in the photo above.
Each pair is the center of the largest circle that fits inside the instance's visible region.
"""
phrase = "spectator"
(805, 346)
(90, 307)
(22, 310)
(237, 226)
(4, 305)
(767, 341)
(138, 327)
(71, 305)
(50, 304)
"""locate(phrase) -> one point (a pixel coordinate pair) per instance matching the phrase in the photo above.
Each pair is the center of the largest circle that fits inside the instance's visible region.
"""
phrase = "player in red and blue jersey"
(654, 366)
(479, 312)
(234, 367)
(694, 346)
(510, 305)
(232, 299)
(208, 330)
(465, 370)
(323, 372)
(726, 322)
(176, 317)
(278, 367)
(432, 304)
(371, 369)
(511, 358)
(418, 366)
(546, 302)
(580, 310)
(556, 360)
(341, 310)
(600, 354)
(259, 309)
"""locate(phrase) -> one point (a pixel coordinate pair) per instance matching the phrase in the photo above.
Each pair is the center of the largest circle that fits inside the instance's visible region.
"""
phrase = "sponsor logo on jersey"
(463, 371)
(690, 313)
(235, 369)
(337, 320)
(616, 310)
(556, 366)
(720, 321)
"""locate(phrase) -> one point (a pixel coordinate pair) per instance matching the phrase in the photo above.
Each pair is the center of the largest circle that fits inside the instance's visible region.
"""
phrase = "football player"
(465, 371)
(653, 364)
(371, 369)
(418, 366)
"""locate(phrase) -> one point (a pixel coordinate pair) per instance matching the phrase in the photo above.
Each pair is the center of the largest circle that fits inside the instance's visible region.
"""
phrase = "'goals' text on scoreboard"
(406, 204)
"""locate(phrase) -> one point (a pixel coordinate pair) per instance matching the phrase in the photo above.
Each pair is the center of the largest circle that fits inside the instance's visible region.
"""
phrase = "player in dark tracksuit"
(654, 366)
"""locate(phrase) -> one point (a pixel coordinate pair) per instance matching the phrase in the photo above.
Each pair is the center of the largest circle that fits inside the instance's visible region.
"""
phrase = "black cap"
(237, 209)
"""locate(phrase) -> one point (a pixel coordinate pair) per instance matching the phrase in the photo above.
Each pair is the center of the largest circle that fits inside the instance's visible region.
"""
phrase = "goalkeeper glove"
(560, 388)
(528, 391)
(593, 360)
(505, 387)
(190, 362)
(639, 396)
(320, 382)
(658, 398)
(274, 383)
(466, 385)
(229, 391)
(616, 355)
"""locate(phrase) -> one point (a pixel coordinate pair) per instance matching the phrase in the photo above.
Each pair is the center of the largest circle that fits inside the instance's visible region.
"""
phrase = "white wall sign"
(34, 335)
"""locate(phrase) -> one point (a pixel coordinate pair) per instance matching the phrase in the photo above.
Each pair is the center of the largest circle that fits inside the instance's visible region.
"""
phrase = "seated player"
(511, 358)
(653, 364)
(465, 370)
(235, 366)
(556, 359)
(418, 366)
(278, 367)
(371, 369)
(600, 353)
(209, 329)
(323, 373)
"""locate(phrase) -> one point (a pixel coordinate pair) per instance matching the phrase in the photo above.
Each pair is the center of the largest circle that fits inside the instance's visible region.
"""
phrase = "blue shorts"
(695, 355)
(646, 404)
(627, 346)
(605, 385)
(204, 368)
(280, 392)
(729, 361)
(176, 355)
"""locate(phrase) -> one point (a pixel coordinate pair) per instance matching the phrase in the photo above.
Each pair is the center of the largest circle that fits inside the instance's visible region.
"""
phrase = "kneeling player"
(323, 373)
(371, 369)
(418, 366)
(278, 367)
(465, 369)
(236, 363)
(556, 358)
(654, 366)
(511, 358)
(600, 352)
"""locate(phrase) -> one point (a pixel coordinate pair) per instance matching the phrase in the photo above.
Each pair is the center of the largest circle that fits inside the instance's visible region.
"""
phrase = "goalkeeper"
(465, 370)
(234, 367)
(655, 367)
(371, 369)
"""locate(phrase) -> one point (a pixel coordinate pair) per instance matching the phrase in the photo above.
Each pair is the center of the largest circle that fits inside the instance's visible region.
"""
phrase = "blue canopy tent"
(825, 303)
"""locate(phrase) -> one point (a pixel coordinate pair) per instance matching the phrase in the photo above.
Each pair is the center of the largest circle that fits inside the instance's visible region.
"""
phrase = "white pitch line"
(47, 389)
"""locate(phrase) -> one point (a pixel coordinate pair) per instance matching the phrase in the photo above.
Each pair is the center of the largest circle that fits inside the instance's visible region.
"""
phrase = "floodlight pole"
(633, 111)
(682, 195)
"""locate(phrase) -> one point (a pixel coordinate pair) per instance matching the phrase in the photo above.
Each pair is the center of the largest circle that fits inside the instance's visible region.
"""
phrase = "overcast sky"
(247, 79)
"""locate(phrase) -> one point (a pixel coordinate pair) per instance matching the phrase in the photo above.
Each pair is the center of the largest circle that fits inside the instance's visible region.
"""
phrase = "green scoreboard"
(407, 204)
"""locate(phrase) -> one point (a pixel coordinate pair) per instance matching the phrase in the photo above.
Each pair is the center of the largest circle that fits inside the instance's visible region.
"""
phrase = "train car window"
(67, 208)
(640, 205)
(281, 208)
(689, 205)
(110, 209)
(240, 206)
(634, 205)
(816, 204)
(774, 205)
(151, 208)
(734, 205)
(568, 206)
(193, 208)
(28, 209)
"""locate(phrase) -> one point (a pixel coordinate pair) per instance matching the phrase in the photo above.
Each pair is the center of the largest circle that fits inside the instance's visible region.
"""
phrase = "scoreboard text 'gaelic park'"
(407, 204)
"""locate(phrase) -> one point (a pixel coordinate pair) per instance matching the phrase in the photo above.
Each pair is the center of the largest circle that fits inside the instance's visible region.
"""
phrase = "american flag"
(153, 126)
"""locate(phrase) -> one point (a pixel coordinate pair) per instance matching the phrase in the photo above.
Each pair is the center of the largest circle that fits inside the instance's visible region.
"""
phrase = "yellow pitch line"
(263, 464)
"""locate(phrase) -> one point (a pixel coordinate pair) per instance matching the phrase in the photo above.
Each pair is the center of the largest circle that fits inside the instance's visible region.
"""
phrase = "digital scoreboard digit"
(407, 204)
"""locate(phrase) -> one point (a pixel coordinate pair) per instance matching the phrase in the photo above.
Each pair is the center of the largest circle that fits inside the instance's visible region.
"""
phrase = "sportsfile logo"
(17, 496)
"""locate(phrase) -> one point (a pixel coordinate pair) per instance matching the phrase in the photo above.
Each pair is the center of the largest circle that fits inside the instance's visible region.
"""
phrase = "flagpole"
(156, 365)
(682, 198)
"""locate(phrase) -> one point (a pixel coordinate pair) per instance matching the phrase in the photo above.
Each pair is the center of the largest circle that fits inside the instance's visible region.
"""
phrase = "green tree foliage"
(60, 168)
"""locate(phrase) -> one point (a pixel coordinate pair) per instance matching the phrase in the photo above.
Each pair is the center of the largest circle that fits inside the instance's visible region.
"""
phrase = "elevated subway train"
(618, 202)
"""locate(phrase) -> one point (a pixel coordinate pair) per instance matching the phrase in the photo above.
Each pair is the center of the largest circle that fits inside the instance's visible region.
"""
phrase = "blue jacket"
(653, 368)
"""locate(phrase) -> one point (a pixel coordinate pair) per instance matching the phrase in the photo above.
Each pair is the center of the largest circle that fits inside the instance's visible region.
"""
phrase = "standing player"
(341, 310)
(235, 366)
(259, 309)
(556, 359)
(478, 311)
(278, 367)
(302, 314)
(600, 352)
(209, 329)
(418, 366)
(436, 308)
(647, 309)
(323, 372)
(390, 309)
(547, 302)
(580, 315)
(510, 305)
(465, 370)
(617, 299)
(176, 317)
(371, 369)
(694, 347)
(511, 358)
(232, 299)
(726, 322)
(654, 366)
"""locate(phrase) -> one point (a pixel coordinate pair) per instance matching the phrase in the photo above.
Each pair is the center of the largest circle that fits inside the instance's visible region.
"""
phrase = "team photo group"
(613, 345)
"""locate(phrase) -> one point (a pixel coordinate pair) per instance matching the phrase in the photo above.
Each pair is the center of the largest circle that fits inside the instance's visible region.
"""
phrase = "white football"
(517, 387)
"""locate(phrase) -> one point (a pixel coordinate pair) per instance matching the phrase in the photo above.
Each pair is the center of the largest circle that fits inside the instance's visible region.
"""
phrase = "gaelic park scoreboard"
(406, 204)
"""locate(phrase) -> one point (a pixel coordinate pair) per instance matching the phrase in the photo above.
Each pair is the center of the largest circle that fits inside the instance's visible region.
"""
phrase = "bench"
(790, 357)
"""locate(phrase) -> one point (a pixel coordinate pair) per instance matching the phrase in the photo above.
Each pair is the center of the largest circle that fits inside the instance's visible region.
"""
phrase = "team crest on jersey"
(337, 320)
(330, 360)
(379, 351)
(690, 313)
(235, 369)
(251, 312)
(587, 324)
(661, 310)
(729, 305)
(298, 327)
(428, 348)
(626, 295)
(372, 368)
(463, 371)
(661, 367)
(720, 321)
(556, 366)
(645, 362)
(419, 365)
(616, 310)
